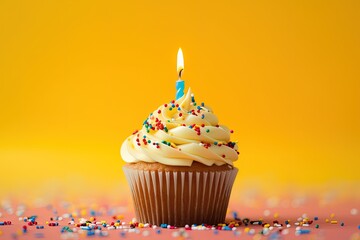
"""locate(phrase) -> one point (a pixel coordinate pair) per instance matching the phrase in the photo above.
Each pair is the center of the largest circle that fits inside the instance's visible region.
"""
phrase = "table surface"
(345, 211)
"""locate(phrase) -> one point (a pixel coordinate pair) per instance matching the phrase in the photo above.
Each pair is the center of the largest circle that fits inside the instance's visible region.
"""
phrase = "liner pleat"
(180, 198)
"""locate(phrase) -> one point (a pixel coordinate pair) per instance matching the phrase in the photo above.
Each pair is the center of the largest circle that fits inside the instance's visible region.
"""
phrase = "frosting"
(179, 133)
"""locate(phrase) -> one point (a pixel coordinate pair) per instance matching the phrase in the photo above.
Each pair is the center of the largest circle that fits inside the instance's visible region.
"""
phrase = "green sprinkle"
(170, 108)
(166, 130)
(207, 130)
(215, 143)
(149, 141)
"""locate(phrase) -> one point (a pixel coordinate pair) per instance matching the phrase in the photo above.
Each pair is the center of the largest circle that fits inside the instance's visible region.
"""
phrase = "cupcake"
(180, 165)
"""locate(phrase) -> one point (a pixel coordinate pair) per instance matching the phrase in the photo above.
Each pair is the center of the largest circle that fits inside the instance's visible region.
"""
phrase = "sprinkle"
(231, 131)
(170, 108)
(317, 226)
(207, 130)
(334, 222)
(202, 116)
(302, 231)
(223, 155)
(215, 143)
(159, 111)
(165, 105)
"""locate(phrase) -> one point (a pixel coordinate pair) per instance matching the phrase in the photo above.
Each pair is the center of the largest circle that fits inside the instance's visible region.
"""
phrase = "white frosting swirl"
(179, 133)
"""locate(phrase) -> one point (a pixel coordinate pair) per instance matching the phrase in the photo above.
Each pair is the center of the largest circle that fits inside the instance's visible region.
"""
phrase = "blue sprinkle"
(202, 104)
(216, 231)
(90, 233)
(316, 218)
(226, 228)
(198, 107)
(359, 227)
(303, 231)
(163, 225)
(39, 235)
(179, 108)
(202, 116)
(158, 231)
(215, 143)
(122, 234)
(234, 214)
(92, 213)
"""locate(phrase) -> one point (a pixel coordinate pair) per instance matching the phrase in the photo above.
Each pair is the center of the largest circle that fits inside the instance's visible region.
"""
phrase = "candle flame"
(180, 63)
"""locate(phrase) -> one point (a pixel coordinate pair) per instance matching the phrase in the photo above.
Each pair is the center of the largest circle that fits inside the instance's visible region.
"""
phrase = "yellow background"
(77, 77)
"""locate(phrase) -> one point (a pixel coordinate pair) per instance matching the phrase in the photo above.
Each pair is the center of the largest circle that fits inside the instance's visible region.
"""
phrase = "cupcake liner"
(180, 197)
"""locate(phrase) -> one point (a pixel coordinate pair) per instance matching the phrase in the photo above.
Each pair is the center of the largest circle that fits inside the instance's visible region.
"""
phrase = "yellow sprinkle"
(333, 222)
(332, 215)
(267, 225)
(46, 222)
(327, 220)
(141, 225)
(83, 212)
(236, 225)
(276, 215)
(120, 217)
(91, 218)
(0, 233)
(246, 229)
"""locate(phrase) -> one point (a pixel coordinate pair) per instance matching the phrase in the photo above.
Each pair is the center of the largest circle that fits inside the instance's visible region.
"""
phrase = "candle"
(180, 84)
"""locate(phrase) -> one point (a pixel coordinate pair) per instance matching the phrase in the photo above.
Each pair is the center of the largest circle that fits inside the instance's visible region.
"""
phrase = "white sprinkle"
(288, 225)
(353, 211)
(285, 231)
(267, 213)
(297, 228)
(154, 226)
(146, 233)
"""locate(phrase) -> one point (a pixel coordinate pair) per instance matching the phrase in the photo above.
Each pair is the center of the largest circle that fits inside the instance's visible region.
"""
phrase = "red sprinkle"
(165, 105)
(159, 111)
(231, 131)
(223, 155)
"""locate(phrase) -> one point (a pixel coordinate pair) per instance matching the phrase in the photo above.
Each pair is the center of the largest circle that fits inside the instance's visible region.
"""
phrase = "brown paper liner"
(180, 197)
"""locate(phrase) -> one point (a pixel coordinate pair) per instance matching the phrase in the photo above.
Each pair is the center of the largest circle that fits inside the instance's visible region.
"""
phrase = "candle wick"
(180, 73)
